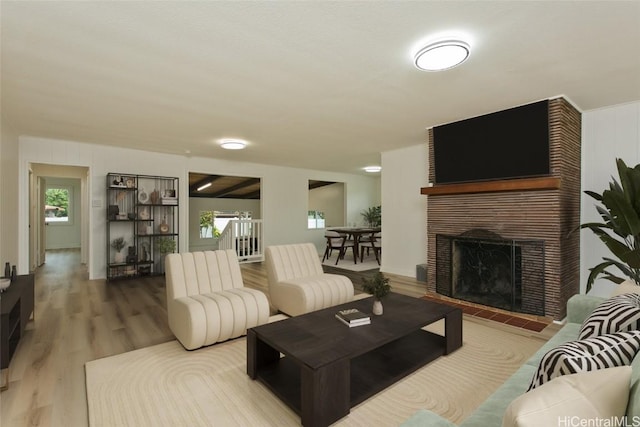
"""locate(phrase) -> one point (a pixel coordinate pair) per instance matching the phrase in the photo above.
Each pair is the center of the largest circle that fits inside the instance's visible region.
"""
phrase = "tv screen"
(513, 143)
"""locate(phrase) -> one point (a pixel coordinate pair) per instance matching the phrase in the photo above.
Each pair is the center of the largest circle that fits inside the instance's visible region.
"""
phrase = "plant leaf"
(624, 216)
(593, 194)
(595, 272)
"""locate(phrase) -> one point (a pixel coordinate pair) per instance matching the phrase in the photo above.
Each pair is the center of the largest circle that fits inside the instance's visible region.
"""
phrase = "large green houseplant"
(620, 229)
(373, 216)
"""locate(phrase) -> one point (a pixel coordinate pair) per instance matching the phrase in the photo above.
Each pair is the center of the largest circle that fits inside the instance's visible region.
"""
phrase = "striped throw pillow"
(617, 314)
(604, 351)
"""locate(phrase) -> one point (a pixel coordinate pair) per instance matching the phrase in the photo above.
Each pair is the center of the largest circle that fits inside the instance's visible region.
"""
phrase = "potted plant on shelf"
(620, 229)
(379, 287)
(165, 245)
(118, 245)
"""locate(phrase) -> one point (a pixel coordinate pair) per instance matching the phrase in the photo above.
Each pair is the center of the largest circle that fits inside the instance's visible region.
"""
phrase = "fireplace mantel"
(522, 184)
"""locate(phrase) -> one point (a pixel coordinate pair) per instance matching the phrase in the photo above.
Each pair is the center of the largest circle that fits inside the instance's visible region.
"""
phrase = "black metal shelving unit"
(142, 210)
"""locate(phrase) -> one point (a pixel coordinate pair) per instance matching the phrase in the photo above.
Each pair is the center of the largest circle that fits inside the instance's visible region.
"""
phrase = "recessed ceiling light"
(441, 55)
(233, 144)
(372, 169)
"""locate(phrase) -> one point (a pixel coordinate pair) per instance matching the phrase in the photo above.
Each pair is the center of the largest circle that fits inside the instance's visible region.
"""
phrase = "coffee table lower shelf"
(370, 373)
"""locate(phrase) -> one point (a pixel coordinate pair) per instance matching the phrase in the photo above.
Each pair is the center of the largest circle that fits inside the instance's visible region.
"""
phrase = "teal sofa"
(491, 411)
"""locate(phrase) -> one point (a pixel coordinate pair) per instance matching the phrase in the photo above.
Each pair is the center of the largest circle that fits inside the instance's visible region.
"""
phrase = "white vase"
(118, 257)
(377, 307)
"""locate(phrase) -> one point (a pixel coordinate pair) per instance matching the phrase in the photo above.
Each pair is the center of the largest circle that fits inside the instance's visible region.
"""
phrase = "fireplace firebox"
(482, 267)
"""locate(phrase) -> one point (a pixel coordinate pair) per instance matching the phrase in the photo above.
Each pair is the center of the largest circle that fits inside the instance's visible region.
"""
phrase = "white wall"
(284, 191)
(8, 196)
(199, 204)
(404, 209)
(330, 200)
(607, 134)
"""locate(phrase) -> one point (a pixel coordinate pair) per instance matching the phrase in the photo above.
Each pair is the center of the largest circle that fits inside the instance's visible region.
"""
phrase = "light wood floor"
(77, 320)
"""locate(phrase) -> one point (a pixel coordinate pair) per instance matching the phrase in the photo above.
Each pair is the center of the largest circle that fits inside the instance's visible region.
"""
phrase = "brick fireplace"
(545, 210)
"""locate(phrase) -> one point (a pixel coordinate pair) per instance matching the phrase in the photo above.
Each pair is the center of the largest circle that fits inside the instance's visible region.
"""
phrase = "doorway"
(58, 211)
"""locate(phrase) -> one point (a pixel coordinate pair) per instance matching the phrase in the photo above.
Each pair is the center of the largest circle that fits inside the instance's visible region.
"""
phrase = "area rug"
(165, 385)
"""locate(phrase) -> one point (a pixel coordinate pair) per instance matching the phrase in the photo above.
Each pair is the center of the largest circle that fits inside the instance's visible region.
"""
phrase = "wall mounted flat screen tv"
(508, 144)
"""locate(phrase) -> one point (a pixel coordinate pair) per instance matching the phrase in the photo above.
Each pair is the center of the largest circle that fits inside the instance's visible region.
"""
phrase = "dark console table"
(17, 306)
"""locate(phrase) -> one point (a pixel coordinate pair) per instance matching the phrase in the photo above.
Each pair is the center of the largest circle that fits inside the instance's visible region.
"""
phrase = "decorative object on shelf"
(131, 255)
(163, 228)
(7, 270)
(112, 212)
(117, 182)
(169, 197)
(144, 213)
(145, 252)
(143, 197)
(130, 183)
(379, 287)
(122, 216)
(620, 229)
(118, 244)
(169, 193)
(155, 197)
(4, 284)
(165, 245)
(142, 228)
(131, 215)
(14, 273)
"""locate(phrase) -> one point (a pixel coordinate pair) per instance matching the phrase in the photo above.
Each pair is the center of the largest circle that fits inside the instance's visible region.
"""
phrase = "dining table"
(356, 234)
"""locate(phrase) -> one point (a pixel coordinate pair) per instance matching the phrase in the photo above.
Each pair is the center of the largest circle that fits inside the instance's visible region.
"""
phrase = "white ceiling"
(319, 85)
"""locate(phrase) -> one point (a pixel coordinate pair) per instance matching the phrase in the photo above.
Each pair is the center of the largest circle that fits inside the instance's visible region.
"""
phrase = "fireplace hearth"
(482, 267)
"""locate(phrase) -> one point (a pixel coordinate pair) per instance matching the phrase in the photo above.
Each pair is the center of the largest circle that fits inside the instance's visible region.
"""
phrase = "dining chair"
(340, 241)
(374, 242)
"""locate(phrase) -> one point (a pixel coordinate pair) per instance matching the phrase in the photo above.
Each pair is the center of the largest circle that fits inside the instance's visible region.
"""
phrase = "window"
(56, 205)
(213, 223)
(315, 219)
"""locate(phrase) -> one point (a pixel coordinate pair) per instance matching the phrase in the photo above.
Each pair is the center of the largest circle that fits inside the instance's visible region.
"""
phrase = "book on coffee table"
(353, 317)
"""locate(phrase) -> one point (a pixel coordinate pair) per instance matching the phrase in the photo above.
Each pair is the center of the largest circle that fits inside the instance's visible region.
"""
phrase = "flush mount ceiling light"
(372, 169)
(233, 144)
(202, 187)
(441, 55)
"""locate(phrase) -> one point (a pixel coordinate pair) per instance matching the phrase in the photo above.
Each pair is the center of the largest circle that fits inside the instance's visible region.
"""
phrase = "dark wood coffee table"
(321, 368)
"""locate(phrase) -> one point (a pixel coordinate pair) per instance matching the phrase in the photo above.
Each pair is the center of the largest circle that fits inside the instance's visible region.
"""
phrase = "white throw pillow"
(626, 287)
(592, 395)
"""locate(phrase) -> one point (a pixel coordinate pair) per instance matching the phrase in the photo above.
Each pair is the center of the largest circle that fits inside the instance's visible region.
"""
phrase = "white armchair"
(206, 298)
(297, 283)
